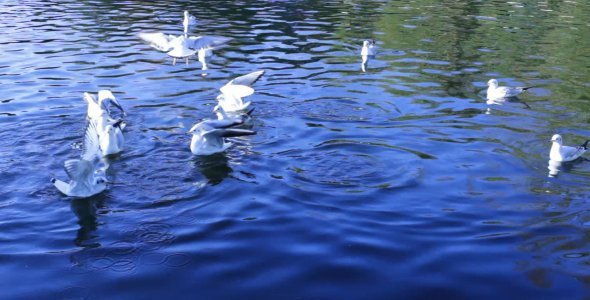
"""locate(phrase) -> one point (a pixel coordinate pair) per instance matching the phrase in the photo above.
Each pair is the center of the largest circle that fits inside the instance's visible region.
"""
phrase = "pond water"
(397, 182)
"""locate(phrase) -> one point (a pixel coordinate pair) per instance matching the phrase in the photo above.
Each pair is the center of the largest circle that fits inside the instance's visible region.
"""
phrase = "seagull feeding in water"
(209, 135)
(110, 131)
(233, 92)
(97, 108)
(85, 177)
(496, 92)
(189, 21)
(110, 135)
(561, 153)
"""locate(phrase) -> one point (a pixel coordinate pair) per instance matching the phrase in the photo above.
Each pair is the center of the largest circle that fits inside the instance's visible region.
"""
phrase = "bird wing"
(192, 21)
(236, 91)
(207, 42)
(77, 169)
(90, 149)
(157, 40)
(571, 153)
(224, 123)
(90, 99)
(248, 79)
(216, 134)
(231, 132)
(506, 92)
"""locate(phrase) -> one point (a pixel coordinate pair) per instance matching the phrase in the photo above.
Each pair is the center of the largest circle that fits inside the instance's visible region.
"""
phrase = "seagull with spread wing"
(86, 179)
(233, 92)
(96, 108)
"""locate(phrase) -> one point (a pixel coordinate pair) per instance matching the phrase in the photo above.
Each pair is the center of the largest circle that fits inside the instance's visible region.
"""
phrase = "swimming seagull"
(496, 92)
(369, 50)
(182, 46)
(85, 178)
(97, 108)
(562, 153)
(110, 135)
(189, 21)
(233, 92)
(209, 135)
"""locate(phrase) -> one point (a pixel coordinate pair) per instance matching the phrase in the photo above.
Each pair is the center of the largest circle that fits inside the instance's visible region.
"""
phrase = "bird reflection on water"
(214, 167)
(86, 212)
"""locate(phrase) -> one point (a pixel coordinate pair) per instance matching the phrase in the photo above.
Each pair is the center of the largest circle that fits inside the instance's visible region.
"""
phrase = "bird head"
(106, 98)
(556, 138)
(493, 82)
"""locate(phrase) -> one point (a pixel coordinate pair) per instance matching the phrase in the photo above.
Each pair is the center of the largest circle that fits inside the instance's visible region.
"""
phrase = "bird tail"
(585, 145)
(527, 87)
(53, 180)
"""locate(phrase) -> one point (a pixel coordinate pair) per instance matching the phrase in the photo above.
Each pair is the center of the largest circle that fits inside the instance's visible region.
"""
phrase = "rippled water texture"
(398, 182)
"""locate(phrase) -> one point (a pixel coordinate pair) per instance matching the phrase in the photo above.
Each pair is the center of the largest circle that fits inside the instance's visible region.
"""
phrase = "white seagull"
(369, 50)
(562, 153)
(501, 92)
(209, 135)
(182, 46)
(97, 108)
(189, 21)
(85, 178)
(233, 92)
(110, 135)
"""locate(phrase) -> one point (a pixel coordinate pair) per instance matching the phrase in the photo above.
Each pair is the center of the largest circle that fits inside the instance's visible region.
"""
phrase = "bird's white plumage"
(209, 135)
(110, 134)
(188, 22)
(369, 48)
(236, 89)
(85, 180)
(561, 153)
(184, 46)
(97, 108)
(499, 92)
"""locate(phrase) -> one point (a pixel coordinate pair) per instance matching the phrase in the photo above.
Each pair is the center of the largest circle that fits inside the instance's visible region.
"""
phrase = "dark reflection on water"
(398, 182)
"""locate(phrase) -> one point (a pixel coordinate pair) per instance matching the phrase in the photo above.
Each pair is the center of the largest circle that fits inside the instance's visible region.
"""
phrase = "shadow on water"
(214, 167)
(86, 212)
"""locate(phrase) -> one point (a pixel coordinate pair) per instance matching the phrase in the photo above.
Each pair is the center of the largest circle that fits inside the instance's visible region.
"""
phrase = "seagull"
(85, 178)
(223, 115)
(496, 92)
(369, 50)
(233, 92)
(209, 135)
(189, 20)
(561, 153)
(97, 108)
(182, 46)
(110, 135)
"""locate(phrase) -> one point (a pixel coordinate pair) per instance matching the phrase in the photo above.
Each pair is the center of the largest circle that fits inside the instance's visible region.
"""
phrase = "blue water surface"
(400, 182)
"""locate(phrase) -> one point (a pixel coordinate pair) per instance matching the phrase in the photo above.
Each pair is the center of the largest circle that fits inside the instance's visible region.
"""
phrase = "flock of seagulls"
(104, 132)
